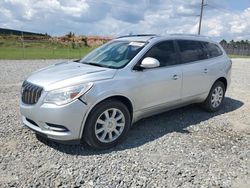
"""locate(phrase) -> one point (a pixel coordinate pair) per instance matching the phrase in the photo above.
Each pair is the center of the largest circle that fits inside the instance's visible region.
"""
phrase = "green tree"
(223, 42)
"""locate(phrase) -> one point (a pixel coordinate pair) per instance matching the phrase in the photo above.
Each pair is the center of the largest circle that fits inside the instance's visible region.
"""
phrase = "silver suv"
(97, 98)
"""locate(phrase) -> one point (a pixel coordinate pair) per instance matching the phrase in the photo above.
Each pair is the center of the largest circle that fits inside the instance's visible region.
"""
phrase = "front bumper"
(59, 123)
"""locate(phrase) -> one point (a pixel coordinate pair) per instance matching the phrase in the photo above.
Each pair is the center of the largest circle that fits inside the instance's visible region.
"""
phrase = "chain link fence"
(238, 49)
(33, 47)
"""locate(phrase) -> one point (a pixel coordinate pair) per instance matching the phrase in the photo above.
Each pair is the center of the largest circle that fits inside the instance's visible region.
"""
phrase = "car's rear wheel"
(215, 98)
(107, 124)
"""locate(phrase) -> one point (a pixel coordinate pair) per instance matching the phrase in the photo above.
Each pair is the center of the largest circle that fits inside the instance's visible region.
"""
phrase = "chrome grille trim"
(30, 93)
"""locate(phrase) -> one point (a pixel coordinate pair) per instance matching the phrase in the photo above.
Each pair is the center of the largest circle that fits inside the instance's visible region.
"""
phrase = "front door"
(161, 86)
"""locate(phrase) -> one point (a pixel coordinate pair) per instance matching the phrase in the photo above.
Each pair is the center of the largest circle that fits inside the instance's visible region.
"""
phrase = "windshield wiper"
(95, 64)
(77, 60)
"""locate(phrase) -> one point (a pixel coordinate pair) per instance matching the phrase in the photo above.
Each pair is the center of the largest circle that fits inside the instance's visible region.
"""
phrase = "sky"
(222, 19)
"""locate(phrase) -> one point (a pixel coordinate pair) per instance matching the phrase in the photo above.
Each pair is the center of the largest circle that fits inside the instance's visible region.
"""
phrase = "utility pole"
(202, 5)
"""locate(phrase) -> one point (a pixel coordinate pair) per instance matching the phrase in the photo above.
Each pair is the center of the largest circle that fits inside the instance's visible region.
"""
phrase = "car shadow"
(149, 129)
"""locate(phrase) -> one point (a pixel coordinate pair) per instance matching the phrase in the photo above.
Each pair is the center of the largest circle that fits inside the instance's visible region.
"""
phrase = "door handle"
(175, 77)
(205, 70)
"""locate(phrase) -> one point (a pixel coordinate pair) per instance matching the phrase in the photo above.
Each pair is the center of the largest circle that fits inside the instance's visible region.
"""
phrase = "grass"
(12, 49)
(238, 56)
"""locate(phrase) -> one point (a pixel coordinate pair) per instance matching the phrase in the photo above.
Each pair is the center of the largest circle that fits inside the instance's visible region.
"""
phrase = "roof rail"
(192, 35)
(138, 35)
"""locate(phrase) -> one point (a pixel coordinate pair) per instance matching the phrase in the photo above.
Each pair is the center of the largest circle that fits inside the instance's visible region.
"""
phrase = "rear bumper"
(59, 123)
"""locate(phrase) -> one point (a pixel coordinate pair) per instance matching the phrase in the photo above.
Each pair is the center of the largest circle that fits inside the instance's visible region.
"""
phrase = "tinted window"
(164, 52)
(213, 49)
(191, 51)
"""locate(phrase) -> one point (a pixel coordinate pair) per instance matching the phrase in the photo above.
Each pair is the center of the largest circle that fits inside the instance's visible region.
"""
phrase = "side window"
(204, 47)
(164, 52)
(213, 49)
(191, 51)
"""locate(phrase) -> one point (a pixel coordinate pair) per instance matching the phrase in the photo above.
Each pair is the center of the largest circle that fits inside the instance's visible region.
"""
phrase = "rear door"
(194, 68)
(216, 62)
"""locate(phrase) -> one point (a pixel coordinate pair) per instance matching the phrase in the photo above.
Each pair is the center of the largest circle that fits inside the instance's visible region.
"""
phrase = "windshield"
(114, 54)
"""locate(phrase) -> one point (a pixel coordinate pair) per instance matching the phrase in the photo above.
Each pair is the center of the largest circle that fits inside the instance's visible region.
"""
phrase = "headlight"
(67, 95)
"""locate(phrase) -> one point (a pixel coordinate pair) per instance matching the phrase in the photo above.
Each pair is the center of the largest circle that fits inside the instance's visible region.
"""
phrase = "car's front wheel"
(215, 98)
(107, 124)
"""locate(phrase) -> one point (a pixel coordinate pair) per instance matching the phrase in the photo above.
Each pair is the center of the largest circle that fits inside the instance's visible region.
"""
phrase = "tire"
(108, 116)
(209, 103)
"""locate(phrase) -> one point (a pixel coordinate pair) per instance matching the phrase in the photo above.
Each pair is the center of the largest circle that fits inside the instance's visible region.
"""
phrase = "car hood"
(69, 73)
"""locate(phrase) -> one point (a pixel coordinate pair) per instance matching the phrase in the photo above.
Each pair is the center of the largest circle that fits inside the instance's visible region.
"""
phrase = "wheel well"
(124, 100)
(120, 98)
(223, 80)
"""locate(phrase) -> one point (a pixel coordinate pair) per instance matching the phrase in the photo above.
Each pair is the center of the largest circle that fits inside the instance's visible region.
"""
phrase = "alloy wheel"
(217, 96)
(109, 125)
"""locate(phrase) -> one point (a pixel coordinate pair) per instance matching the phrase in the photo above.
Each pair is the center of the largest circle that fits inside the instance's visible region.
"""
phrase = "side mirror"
(149, 62)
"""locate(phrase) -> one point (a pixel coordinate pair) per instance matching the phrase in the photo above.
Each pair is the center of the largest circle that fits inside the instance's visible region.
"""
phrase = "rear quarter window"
(213, 49)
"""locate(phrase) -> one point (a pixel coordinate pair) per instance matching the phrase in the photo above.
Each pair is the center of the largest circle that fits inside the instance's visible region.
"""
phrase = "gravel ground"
(186, 147)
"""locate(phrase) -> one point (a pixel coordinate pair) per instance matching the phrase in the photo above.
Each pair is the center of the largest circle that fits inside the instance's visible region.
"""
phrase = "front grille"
(30, 93)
